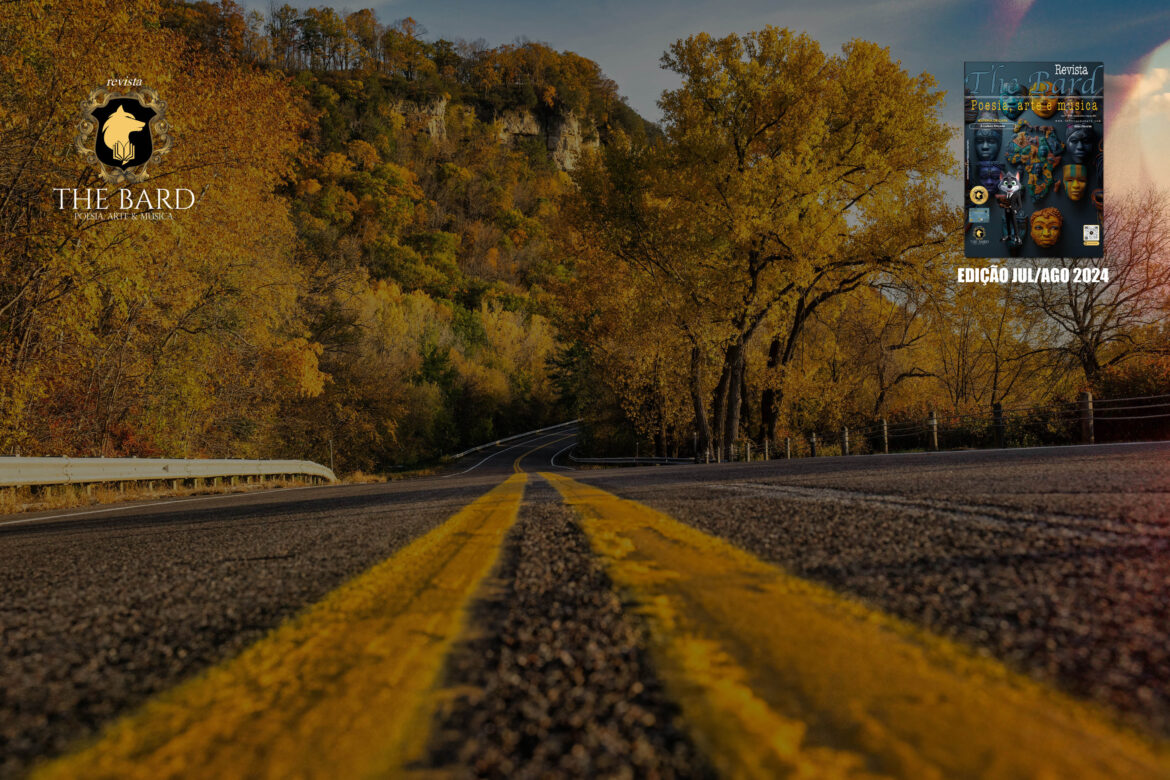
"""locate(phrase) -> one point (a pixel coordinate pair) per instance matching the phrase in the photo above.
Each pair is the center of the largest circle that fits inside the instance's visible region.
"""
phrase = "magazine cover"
(705, 389)
(1033, 146)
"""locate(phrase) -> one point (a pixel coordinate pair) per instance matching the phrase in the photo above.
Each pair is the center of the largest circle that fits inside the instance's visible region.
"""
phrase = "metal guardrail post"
(885, 436)
(812, 444)
(844, 440)
(1086, 409)
(932, 428)
(998, 425)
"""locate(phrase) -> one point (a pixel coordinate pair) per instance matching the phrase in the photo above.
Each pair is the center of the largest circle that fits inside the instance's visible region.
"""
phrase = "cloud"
(1138, 96)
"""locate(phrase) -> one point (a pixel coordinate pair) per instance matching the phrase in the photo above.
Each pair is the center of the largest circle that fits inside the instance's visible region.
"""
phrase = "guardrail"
(638, 461)
(20, 472)
(498, 442)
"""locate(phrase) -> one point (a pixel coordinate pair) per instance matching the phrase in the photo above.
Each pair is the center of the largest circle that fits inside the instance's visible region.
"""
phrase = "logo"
(1092, 235)
(979, 195)
(979, 233)
(123, 132)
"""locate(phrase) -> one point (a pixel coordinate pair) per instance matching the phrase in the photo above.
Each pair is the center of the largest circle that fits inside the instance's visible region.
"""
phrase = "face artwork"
(1044, 99)
(1036, 149)
(1032, 158)
(1013, 97)
(987, 143)
(1081, 143)
(991, 174)
(1045, 225)
(1075, 181)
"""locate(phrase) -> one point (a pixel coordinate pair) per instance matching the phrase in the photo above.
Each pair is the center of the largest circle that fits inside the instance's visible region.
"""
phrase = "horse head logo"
(116, 134)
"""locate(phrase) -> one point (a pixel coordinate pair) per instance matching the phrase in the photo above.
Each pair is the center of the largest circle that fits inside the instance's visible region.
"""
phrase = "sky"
(627, 38)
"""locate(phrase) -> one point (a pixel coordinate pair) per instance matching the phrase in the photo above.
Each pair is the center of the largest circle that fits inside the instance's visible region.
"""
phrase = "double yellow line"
(780, 677)
(343, 690)
(775, 676)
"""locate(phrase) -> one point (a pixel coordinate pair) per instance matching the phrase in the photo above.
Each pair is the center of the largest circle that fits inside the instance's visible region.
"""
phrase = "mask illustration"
(1013, 97)
(1045, 226)
(1044, 98)
(1075, 181)
(1037, 150)
(1081, 142)
(990, 174)
(988, 138)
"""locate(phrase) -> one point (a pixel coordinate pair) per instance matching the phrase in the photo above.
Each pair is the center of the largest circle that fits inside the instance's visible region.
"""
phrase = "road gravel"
(557, 681)
(1055, 561)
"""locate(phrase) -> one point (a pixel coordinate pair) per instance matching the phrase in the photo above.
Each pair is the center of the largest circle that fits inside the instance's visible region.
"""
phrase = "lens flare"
(1137, 123)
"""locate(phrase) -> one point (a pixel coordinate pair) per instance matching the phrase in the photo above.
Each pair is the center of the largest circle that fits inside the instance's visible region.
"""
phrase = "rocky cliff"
(563, 135)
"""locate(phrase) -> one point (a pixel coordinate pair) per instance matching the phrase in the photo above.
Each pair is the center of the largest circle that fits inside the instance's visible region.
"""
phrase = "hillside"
(382, 298)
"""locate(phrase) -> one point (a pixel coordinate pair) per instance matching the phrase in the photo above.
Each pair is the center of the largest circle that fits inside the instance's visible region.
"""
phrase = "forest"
(404, 246)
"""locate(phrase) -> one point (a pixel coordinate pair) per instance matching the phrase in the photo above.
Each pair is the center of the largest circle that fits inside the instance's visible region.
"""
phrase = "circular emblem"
(979, 195)
(123, 133)
(979, 232)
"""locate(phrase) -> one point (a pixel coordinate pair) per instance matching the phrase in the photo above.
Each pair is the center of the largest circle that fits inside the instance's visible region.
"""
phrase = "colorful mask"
(1037, 150)
(1075, 181)
(1045, 226)
(1013, 96)
(1044, 99)
(1081, 143)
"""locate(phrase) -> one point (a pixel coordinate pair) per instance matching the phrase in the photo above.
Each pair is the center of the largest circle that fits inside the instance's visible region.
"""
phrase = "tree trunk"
(702, 426)
(720, 406)
(770, 399)
(734, 365)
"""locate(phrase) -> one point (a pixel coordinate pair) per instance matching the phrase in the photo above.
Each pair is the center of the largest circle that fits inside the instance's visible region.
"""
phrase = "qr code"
(1092, 233)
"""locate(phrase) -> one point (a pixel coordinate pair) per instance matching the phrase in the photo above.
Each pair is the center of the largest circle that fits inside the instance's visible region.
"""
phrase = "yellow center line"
(345, 689)
(778, 676)
(516, 463)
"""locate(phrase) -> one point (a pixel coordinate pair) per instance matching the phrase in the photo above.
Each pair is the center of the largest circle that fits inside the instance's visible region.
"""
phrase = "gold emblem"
(979, 195)
(123, 132)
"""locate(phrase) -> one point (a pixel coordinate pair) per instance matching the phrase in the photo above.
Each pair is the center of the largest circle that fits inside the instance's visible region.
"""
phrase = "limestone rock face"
(564, 135)
(429, 118)
(515, 125)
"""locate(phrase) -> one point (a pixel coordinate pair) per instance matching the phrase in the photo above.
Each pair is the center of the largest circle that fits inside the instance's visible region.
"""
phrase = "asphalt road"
(100, 609)
(1054, 561)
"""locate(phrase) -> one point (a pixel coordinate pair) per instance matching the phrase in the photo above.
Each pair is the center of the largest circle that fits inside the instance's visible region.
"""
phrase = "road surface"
(942, 614)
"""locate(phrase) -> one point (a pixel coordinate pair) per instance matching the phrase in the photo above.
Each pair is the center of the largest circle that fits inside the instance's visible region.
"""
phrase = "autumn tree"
(1107, 321)
(791, 177)
(137, 337)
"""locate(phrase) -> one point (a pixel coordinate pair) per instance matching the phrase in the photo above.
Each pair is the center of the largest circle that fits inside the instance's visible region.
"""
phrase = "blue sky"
(627, 37)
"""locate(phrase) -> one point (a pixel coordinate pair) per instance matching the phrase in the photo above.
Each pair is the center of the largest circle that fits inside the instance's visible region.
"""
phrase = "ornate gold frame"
(159, 132)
